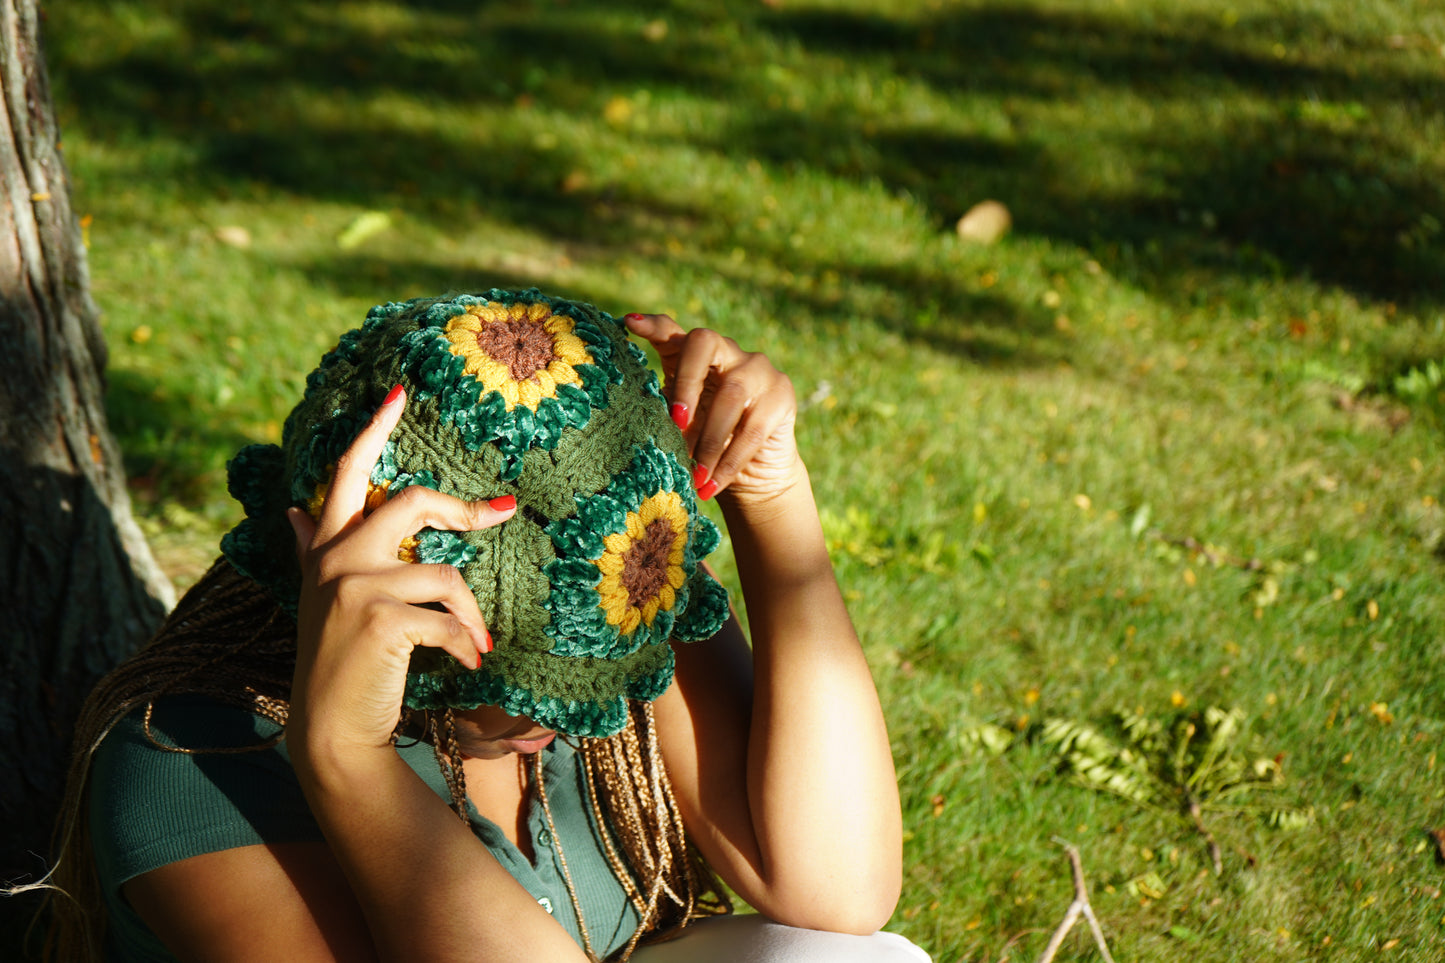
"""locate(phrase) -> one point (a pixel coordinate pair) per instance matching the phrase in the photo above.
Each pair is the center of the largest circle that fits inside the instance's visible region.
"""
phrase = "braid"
(632, 800)
(449, 758)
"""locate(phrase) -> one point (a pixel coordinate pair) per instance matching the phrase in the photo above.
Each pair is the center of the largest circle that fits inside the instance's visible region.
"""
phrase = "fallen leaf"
(618, 111)
(367, 224)
(575, 181)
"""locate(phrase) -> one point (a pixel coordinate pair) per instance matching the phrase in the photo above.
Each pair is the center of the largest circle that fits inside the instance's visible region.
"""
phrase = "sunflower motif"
(625, 560)
(511, 371)
(642, 566)
(522, 351)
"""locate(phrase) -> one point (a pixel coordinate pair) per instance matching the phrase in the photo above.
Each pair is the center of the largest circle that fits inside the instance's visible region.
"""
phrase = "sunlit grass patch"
(1173, 443)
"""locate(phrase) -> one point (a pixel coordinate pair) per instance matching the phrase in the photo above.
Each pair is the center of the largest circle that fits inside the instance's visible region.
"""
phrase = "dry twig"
(1214, 855)
(1080, 906)
(1208, 552)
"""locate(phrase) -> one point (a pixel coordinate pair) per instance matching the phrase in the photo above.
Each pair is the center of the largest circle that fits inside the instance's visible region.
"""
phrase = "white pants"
(757, 939)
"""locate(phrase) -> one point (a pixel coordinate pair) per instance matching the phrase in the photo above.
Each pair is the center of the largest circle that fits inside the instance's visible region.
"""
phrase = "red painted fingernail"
(391, 397)
(633, 317)
(680, 415)
(503, 503)
(699, 476)
(708, 490)
(487, 634)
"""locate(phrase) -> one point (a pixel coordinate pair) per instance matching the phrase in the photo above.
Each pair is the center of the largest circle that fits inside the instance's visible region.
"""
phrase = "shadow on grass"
(345, 103)
(175, 448)
(1312, 185)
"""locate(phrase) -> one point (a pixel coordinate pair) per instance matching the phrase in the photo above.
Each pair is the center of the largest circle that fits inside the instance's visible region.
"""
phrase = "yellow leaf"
(618, 111)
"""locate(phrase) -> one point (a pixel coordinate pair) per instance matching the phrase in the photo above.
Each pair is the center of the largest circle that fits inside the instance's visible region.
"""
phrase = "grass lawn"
(1174, 444)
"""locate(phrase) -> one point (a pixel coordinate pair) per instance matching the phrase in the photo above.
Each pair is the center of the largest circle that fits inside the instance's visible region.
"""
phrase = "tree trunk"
(78, 586)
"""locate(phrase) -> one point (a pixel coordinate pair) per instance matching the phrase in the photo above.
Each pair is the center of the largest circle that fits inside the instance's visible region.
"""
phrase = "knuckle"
(412, 496)
(448, 579)
(453, 627)
(347, 462)
(733, 391)
(750, 436)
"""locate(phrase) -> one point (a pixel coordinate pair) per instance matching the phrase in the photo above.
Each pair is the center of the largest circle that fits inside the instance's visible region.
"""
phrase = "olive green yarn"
(578, 460)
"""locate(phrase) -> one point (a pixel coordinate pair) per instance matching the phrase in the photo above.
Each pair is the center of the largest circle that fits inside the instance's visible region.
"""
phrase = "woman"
(548, 579)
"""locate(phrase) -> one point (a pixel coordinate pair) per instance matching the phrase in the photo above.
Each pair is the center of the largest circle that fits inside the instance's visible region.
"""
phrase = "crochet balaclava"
(511, 393)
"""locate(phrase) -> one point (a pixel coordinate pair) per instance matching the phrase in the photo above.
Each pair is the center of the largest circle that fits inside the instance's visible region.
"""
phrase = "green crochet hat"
(511, 393)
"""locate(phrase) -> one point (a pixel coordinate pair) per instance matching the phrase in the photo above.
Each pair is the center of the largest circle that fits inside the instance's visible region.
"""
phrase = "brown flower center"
(525, 347)
(644, 567)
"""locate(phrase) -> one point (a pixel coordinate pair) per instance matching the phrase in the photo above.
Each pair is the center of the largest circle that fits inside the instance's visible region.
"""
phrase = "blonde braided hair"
(229, 641)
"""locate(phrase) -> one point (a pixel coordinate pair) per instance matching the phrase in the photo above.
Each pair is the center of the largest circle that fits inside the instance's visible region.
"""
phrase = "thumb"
(305, 528)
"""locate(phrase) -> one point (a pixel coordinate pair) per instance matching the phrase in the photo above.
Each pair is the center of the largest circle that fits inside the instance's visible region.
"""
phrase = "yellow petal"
(570, 349)
(649, 611)
(546, 384)
(563, 373)
(635, 528)
(509, 393)
(666, 597)
(538, 311)
(617, 544)
(631, 620)
(610, 564)
(675, 577)
(529, 393)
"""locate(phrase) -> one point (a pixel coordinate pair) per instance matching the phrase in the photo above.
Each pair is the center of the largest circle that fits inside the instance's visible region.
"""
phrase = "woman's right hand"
(362, 609)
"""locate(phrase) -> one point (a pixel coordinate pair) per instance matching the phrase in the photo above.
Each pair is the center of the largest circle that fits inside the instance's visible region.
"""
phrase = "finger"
(726, 413)
(419, 585)
(346, 496)
(441, 630)
(668, 338)
(660, 330)
(758, 423)
(417, 507)
(705, 354)
(305, 529)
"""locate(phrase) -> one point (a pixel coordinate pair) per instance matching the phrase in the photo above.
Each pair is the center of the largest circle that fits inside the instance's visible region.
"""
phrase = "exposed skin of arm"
(400, 866)
(779, 755)
(779, 758)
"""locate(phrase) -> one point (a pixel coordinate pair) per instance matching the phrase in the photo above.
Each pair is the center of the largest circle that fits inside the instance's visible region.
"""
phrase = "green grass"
(1227, 258)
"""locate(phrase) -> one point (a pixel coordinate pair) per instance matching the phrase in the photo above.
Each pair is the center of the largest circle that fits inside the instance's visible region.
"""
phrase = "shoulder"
(199, 778)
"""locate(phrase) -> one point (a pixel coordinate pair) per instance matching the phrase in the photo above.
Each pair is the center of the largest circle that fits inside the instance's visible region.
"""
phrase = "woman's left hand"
(735, 409)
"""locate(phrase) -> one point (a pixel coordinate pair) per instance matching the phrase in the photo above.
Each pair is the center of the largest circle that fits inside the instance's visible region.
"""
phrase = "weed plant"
(1172, 444)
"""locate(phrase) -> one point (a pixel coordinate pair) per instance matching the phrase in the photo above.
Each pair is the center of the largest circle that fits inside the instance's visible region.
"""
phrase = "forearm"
(428, 887)
(821, 783)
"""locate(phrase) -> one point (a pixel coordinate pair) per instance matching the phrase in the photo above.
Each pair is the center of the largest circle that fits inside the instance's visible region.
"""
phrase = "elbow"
(857, 906)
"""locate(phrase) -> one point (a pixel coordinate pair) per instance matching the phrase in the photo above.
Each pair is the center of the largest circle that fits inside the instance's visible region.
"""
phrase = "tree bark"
(79, 588)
